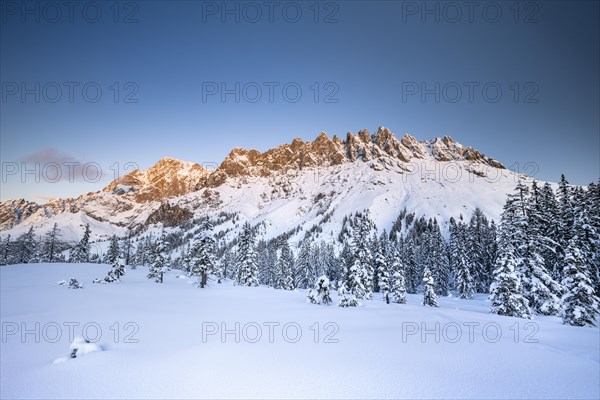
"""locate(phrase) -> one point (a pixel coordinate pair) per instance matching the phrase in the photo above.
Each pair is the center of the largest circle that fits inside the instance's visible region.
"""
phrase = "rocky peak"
(364, 135)
(324, 152)
(165, 179)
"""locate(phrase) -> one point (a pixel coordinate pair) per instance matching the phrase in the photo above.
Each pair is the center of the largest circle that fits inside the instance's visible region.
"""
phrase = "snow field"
(159, 341)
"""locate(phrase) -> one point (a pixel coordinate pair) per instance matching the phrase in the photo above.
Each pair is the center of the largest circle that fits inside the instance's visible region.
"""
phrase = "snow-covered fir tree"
(479, 250)
(145, 252)
(114, 259)
(283, 278)
(320, 293)
(398, 283)
(362, 270)
(384, 284)
(27, 247)
(5, 247)
(187, 257)
(203, 257)
(227, 264)
(246, 263)
(127, 248)
(81, 252)
(266, 257)
(51, 244)
(160, 263)
(382, 268)
(505, 290)
(306, 273)
(410, 265)
(537, 286)
(329, 263)
(580, 305)
(438, 260)
(463, 279)
(541, 291)
(347, 299)
(429, 296)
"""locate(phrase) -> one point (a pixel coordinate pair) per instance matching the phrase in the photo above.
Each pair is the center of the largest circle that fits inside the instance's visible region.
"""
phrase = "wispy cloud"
(54, 166)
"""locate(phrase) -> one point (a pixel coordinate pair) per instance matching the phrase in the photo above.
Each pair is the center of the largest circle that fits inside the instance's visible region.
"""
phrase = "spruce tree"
(505, 290)
(462, 271)
(306, 273)
(27, 247)
(384, 282)
(379, 250)
(5, 251)
(439, 261)
(320, 293)
(246, 263)
(412, 272)
(347, 299)
(546, 219)
(463, 278)
(541, 291)
(114, 259)
(580, 305)
(283, 268)
(330, 263)
(81, 252)
(159, 263)
(398, 284)
(50, 244)
(363, 262)
(187, 259)
(429, 297)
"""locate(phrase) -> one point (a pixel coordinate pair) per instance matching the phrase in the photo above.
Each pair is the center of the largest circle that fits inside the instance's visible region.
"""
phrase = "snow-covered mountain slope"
(298, 184)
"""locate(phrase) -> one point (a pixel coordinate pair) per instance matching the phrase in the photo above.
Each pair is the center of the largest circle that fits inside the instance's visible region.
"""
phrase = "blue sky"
(364, 58)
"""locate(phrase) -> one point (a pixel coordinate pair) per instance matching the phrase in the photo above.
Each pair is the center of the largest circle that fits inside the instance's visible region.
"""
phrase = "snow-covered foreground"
(164, 341)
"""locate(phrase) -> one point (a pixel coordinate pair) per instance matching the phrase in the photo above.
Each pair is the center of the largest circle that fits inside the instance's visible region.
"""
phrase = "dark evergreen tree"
(460, 262)
(347, 299)
(320, 294)
(27, 247)
(51, 244)
(160, 262)
(382, 283)
(505, 291)
(5, 251)
(329, 262)
(306, 273)
(283, 269)
(246, 263)
(398, 282)
(541, 291)
(580, 304)
(429, 297)
(360, 283)
(410, 267)
(114, 259)
(439, 262)
(81, 252)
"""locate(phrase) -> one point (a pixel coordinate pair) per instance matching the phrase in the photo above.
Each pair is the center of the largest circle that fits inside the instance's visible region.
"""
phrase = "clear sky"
(518, 81)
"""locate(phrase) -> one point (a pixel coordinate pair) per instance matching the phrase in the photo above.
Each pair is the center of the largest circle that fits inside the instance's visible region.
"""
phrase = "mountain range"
(294, 186)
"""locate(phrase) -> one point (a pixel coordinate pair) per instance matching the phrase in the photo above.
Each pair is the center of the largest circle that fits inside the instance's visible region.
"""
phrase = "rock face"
(382, 146)
(141, 197)
(166, 179)
(169, 215)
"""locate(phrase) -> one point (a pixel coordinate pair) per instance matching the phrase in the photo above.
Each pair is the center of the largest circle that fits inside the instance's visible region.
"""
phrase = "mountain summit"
(166, 179)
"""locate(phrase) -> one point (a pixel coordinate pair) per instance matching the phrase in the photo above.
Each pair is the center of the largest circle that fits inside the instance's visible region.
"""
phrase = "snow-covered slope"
(152, 341)
(297, 184)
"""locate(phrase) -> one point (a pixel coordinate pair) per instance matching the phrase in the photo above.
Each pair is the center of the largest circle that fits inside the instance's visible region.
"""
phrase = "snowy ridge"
(297, 184)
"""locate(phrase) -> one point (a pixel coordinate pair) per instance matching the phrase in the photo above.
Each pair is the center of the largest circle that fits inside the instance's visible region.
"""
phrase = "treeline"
(543, 257)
